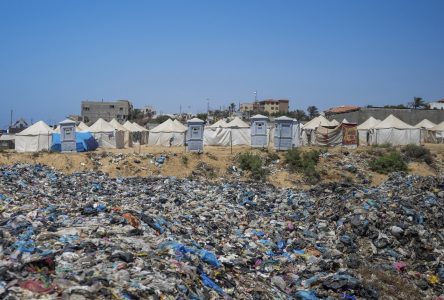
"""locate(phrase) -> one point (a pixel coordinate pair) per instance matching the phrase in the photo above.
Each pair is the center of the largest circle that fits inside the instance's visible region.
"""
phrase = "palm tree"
(417, 102)
(232, 107)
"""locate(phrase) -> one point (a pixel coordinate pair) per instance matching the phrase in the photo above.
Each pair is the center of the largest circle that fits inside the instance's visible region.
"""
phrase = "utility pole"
(208, 106)
(10, 123)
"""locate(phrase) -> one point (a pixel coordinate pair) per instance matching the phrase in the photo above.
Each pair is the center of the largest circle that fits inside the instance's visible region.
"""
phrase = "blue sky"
(54, 54)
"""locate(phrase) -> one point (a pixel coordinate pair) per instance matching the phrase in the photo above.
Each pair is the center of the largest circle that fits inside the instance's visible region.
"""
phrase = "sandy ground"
(213, 164)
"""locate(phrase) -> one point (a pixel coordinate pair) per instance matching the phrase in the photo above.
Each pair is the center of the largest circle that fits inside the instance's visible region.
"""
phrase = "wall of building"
(91, 111)
(410, 116)
(437, 105)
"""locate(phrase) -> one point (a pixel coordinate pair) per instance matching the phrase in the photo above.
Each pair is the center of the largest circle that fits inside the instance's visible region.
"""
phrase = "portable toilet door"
(195, 135)
(259, 137)
(283, 135)
(68, 136)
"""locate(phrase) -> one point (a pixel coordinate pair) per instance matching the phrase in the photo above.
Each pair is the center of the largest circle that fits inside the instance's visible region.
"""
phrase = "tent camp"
(106, 135)
(308, 136)
(167, 133)
(364, 131)
(395, 132)
(34, 138)
(334, 122)
(436, 134)
(236, 132)
(127, 137)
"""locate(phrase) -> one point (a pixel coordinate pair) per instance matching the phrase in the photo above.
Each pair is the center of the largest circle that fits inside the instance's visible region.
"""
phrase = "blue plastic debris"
(211, 284)
(306, 295)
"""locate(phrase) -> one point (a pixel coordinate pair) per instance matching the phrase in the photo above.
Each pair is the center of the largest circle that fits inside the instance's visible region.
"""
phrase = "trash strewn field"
(85, 235)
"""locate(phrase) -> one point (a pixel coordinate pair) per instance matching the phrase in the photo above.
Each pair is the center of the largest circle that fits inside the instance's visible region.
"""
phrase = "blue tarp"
(84, 142)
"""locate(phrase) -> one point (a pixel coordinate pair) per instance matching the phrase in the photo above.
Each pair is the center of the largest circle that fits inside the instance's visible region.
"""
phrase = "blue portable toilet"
(259, 137)
(195, 135)
(283, 134)
(68, 135)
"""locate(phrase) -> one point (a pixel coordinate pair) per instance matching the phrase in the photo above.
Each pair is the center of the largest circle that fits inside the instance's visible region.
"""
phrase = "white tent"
(127, 138)
(236, 132)
(436, 134)
(396, 132)
(106, 135)
(162, 134)
(219, 124)
(423, 126)
(364, 131)
(34, 138)
(308, 136)
(82, 127)
(139, 134)
(335, 123)
(180, 124)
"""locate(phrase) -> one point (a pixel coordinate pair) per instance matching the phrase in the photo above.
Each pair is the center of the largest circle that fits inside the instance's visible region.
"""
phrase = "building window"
(121, 108)
(111, 106)
(86, 108)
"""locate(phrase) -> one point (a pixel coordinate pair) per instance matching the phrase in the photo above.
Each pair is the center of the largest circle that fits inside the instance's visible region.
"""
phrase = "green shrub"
(252, 162)
(304, 162)
(185, 160)
(415, 152)
(387, 163)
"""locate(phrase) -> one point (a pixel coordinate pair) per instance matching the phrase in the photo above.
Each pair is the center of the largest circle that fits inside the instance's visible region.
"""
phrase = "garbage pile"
(88, 236)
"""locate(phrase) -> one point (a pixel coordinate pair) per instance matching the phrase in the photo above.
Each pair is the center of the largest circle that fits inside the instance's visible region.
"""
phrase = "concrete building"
(18, 126)
(120, 110)
(361, 114)
(270, 106)
(246, 107)
(437, 104)
(149, 110)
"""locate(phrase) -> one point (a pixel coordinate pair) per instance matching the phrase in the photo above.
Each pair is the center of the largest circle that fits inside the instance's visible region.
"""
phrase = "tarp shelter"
(7, 141)
(393, 131)
(167, 133)
(34, 138)
(84, 142)
(423, 126)
(127, 138)
(364, 131)
(106, 135)
(236, 132)
(344, 134)
(308, 135)
(436, 134)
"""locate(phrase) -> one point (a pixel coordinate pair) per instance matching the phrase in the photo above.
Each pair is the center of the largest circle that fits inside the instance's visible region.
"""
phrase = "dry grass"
(389, 285)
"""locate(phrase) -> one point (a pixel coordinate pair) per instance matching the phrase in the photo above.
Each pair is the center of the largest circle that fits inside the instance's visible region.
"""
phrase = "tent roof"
(316, 122)
(101, 126)
(35, 129)
(425, 124)
(67, 121)
(138, 127)
(439, 127)
(7, 137)
(195, 120)
(284, 118)
(180, 124)
(258, 117)
(345, 121)
(219, 124)
(238, 123)
(114, 123)
(334, 122)
(168, 126)
(82, 126)
(393, 122)
(369, 124)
